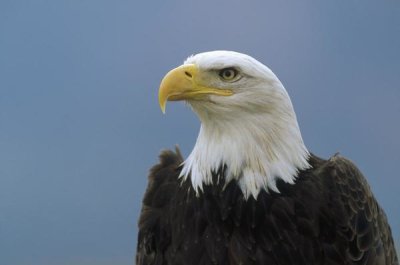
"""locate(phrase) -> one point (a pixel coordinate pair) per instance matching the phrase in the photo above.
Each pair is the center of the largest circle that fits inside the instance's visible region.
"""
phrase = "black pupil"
(228, 73)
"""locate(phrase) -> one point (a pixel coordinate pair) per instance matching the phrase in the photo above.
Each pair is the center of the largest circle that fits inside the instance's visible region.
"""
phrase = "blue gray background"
(80, 124)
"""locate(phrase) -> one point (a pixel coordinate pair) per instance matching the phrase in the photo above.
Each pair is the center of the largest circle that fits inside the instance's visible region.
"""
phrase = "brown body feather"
(329, 216)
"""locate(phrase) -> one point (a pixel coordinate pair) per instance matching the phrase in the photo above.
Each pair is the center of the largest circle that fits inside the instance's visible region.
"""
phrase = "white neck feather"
(256, 149)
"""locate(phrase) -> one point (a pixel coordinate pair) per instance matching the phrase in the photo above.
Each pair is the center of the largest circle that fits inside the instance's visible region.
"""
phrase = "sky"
(80, 124)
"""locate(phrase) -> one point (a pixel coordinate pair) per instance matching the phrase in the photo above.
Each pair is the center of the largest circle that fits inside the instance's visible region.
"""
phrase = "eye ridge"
(228, 73)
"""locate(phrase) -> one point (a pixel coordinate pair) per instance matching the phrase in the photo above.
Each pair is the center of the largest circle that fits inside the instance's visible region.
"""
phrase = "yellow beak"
(180, 84)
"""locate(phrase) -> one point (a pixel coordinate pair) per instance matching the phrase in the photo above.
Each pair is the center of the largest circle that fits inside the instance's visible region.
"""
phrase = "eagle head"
(248, 124)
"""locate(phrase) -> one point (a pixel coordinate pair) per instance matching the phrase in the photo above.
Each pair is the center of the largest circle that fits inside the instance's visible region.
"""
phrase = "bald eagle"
(250, 192)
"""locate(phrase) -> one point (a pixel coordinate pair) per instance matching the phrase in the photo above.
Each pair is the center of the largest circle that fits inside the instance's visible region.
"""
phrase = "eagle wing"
(365, 226)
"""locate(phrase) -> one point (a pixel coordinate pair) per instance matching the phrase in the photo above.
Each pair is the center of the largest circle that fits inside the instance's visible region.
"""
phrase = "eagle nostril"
(188, 74)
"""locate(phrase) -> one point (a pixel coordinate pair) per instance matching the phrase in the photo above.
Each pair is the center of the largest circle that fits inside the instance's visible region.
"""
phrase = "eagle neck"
(256, 150)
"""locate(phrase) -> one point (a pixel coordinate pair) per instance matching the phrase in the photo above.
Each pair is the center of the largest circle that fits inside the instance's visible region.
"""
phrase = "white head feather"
(254, 132)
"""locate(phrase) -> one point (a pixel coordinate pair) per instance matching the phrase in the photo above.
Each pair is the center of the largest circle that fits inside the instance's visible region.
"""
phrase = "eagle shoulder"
(162, 184)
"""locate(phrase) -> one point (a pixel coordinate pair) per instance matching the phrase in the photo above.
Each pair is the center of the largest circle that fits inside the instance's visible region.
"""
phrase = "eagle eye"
(228, 74)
